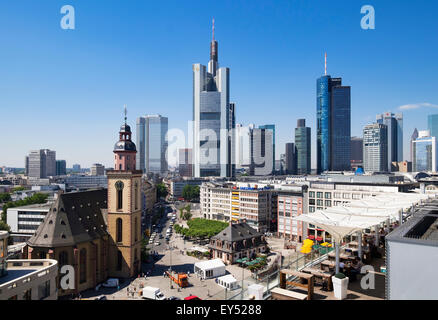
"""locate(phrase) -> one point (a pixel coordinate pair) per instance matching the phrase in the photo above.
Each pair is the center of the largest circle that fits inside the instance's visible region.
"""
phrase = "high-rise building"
(375, 148)
(185, 163)
(356, 152)
(333, 124)
(394, 123)
(61, 168)
(42, 163)
(291, 159)
(26, 165)
(152, 144)
(303, 147)
(425, 152)
(413, 138)
(432, 125)
(213, 118)
(97, 169)
(261, 144)
(124, 209)
(272, 128)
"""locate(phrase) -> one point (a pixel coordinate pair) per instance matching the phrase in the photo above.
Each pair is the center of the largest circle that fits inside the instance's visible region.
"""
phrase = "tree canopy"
(161, 190)
(190, 192)
(35, 199)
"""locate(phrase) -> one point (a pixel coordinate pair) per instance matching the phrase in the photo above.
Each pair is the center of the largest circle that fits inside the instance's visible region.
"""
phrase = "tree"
(161, 190)
(5, 197)
(190, 192)
(4, 226)
(35, 199)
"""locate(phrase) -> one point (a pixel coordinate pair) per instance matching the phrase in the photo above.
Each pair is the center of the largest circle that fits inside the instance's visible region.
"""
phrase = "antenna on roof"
(325, 64)
(213, 28)
(125, 112)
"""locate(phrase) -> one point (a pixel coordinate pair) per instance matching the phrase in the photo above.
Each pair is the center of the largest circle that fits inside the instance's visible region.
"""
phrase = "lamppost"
(170, 269)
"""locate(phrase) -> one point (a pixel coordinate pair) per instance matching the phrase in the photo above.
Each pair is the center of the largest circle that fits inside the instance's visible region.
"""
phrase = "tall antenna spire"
(213, 28)
(125, 112)
(325, 65)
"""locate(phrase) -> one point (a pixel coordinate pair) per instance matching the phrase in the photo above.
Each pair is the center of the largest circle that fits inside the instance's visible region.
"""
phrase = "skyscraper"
(291, 159)
(185, 163)
(375, 148)
(413, 138)
(61, 168)
(425, 152)
(97, 169)
(152, 144)
(356, 151)
(42, 163)
(303, 147)
(213, 118)
(272, 128)
(394, 122)
(333, 124)
(432, 125)
(260, 151)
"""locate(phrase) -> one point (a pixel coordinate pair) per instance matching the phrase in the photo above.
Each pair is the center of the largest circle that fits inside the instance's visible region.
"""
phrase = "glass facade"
(432, 125)
(394, 123)
(152, 144)
(272, 128)
(424, 151)
(303, 147)
(333, 125)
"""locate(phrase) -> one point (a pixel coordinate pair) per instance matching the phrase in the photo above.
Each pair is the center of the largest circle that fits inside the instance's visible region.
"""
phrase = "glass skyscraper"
(272, 128)
(394, 122)
(432, 125)
(152, 144)
(375, 148)
(303, 147)
(213, 119)
(333, 125)
(424, 152)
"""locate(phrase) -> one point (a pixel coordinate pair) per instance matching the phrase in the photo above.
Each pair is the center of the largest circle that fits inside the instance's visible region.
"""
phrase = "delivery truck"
(152, 293)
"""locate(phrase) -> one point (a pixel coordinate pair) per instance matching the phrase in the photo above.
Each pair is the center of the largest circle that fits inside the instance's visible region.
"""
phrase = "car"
(157, 243)
(111, 283)
(173, 298)
(161, 236)
(102, 297)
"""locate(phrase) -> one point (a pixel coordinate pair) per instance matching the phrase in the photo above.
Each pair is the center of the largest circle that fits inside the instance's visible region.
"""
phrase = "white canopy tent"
(228, 282)
(345, 220)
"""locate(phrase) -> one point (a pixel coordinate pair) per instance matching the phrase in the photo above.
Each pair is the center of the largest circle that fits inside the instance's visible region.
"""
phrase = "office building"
(213, 118)
(76, 168)
(233, 203)
(26, 166)
(272, 128)
(394, 124)
(424, 149)
(291, 159)
(303, 147)
(356, 152)
(152, 144)
(242, 146)
(61, 168)
(185, 163)
(26, 279)
(97, 170)
(25, 220)
(375, 148)
(41, 163)
(413, 138)
(261, 144)
(432, 125)
(291, 203)
(333, 124)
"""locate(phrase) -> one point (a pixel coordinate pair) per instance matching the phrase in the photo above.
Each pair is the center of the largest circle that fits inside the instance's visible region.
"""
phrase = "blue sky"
(65, 89)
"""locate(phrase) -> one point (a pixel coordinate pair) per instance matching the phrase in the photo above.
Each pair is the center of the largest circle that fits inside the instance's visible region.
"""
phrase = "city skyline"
(51, 73)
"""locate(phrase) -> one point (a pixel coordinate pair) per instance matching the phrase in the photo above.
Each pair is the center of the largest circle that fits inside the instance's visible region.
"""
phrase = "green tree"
(161, 190)
(35, 199)
(4, 226)
(5, 197)
(190, 192)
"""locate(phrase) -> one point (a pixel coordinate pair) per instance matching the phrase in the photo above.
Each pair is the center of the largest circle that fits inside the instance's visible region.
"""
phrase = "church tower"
(124, 208)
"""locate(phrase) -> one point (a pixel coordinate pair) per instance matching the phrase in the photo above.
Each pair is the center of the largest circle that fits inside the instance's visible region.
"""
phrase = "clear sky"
(65, 89)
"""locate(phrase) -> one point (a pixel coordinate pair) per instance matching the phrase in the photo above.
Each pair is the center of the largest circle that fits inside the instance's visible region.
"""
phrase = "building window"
(328, 203)
(136, 229)
(328, 195)
(63, 259)
(119, 188)
(312, 194)
(319, 195)
(44, 290)
(119, 260)
(119, 230)
(83, 265)
(136, 195)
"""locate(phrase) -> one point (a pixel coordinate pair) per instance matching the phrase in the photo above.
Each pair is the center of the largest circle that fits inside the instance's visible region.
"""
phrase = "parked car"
(111, 283)
(102, 297)
(173, 298)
